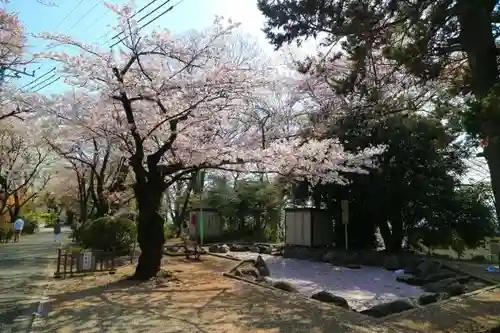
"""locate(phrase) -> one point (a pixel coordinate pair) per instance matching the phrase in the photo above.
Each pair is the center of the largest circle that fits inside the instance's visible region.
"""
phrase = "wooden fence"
(80, 262)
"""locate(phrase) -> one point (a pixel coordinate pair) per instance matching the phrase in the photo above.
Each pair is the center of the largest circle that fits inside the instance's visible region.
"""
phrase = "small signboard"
(86, 263)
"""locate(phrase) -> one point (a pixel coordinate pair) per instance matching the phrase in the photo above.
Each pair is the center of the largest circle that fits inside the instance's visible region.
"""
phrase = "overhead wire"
(85, 15)
(152, 20)
(67, 15)
(131, 17)
(52, 79)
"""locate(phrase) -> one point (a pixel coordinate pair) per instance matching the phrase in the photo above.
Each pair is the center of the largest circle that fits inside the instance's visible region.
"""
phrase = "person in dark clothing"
(57, 231)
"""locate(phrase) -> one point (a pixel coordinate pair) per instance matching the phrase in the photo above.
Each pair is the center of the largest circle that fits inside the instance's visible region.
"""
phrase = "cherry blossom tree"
(23, 173)
(175, 103)
(91, 152)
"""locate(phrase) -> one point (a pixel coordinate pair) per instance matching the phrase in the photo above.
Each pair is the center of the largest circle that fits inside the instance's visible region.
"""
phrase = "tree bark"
(150, 230)
(478, 41)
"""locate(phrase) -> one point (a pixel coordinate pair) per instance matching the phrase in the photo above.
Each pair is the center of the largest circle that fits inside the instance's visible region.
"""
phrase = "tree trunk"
(150, 230)
(478, 41)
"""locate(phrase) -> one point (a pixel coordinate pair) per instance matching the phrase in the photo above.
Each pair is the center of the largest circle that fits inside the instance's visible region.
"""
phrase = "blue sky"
(91, 21)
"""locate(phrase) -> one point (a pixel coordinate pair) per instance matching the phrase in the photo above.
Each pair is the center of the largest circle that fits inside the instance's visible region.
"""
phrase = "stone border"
(483, 279)
(230, 274)
(298, 295)
(441, 302)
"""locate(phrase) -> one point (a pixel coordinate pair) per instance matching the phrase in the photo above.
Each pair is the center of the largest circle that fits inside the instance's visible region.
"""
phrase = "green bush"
(108, 234)
(30, 226)
(45, 218)
(6, 232)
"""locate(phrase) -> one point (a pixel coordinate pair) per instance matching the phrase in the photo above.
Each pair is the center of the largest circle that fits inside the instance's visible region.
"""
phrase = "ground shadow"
(203, 301)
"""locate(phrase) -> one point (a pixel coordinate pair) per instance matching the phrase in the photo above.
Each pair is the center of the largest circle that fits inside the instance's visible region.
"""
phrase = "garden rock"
(285, 286)
(385, 309)
(265, 249)
(254, 249)
(392, 263)
(264, 280)
(439, 276)
(410, 279)
(328, 257)
(456, 289)
(428, 267)
(236, 248)
(428, 298)
(328, 297)
(371, 258)
(250, 271)
(223, 248)
(411, 265)
(442, 285)
(213, 249)
(262, 267)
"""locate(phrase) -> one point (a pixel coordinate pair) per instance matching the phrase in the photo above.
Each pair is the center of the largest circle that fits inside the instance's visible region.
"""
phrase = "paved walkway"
(23, 274)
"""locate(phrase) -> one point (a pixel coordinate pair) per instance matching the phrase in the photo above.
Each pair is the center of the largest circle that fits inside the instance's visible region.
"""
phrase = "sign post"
(201, 177)
(345, 219)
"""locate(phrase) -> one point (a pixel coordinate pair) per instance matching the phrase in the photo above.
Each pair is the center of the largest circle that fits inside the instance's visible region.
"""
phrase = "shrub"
(46, 218)
(30, 226)
(108, 234)
(6, 232)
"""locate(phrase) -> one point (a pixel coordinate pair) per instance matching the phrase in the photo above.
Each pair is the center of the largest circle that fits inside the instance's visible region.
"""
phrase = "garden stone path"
(24, 273)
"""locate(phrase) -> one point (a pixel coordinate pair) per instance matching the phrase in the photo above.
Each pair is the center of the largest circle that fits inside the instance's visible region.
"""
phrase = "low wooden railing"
(87, 261)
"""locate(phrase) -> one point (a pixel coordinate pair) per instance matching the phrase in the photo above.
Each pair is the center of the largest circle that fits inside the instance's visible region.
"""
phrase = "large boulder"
(410, 279)
(254, 249)
(328, 257)
(262, 267)
(250, 271)
(328, 297)
(456, 289)
(285, 286)
(442, 285)
(264, 280)
(428, 298)
(265, 249)
(223, 248)
(385, 309)
(392, 263)
(410, 265)
(438, 276)
(371, 258)
(213, 248)
(428, 267)
(236, 248)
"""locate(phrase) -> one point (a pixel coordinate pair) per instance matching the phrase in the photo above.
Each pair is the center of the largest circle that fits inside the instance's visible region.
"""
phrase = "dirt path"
(200, 299)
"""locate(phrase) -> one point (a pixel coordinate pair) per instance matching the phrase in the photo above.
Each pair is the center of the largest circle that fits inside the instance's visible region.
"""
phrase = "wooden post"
(57, 274)
(65, 264)
(345, 220)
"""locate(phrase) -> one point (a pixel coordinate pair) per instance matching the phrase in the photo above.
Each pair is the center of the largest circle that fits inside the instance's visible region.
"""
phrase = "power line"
(67, 15)
(131, 17)
(38, 78)
(43, 81)
(85, 15)
(98, 19)
(152, 20)
(145, 16)
(48, 84)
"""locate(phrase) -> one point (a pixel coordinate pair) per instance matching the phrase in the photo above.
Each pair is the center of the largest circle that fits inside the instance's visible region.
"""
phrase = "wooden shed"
(212, 226)
(308, 227)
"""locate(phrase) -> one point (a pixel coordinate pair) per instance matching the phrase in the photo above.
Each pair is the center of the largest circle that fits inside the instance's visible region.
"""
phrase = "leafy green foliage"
(248, 208)
(46, 218)
(30, 225)
(108, 234)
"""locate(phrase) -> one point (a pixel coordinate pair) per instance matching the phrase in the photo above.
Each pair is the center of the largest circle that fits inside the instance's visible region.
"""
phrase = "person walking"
(18, 228)
(57, 231)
